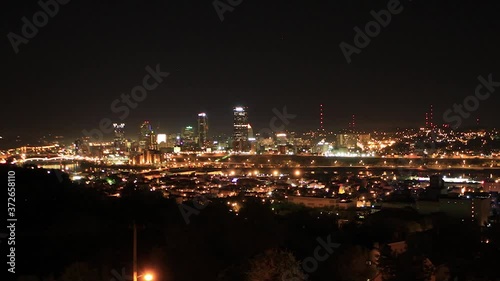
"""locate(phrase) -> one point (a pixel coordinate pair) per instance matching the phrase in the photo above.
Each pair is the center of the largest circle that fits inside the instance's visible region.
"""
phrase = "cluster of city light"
(349, 154)
(447, 180)
(234, 206)
(375, 145)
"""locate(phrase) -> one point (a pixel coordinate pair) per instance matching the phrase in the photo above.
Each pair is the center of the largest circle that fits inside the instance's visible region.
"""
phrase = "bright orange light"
(148, 277)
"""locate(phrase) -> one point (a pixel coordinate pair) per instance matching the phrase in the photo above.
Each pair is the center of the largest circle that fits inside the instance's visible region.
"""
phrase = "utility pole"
(135, 252)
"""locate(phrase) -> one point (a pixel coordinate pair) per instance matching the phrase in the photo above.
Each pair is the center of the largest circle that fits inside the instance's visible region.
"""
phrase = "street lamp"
(134, 264)
(147, 276)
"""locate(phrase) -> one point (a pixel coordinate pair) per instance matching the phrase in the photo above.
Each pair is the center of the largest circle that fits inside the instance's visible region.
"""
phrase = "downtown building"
(240, 129)
(119, 137)
(203, 130)
(188, 141)
(147, 137)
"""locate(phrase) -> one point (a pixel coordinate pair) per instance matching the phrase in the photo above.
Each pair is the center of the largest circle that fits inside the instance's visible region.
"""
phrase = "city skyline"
(321, 116)
(129, 131)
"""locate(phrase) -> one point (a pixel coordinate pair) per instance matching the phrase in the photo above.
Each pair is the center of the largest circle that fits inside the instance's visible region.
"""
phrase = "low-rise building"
(318, 202)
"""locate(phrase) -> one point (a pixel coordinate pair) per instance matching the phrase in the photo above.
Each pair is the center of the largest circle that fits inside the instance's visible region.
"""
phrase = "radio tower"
(353, 124)
(431, 118)
(321, 128)
(426, 120)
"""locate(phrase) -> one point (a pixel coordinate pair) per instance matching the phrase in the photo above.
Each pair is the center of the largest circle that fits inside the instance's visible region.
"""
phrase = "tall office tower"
(240, 128)
(202, 129)
(187, 134)
(188, 139)
(147, 138)
(119, 131)
(153, 141)
(250, 133)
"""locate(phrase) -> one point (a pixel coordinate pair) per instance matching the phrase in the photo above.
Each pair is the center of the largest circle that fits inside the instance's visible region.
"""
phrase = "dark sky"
(265, 54)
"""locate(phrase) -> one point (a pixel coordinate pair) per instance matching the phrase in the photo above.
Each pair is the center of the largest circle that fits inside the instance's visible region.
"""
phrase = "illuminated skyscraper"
(188, 138)
(119, 130)
(146, 129)
(240, 127)
(250, 133)
(202, 129)
(147, 137)
(188, 134)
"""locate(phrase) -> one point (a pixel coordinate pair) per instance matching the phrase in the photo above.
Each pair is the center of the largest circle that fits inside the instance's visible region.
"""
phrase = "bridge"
(58, 158)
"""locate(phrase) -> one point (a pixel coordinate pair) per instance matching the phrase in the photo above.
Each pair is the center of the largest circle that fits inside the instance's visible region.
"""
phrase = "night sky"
(264, 55)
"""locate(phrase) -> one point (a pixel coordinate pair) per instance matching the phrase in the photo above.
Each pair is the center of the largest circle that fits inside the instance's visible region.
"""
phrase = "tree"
(79, 271)
(354, 264)
(275, 265)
